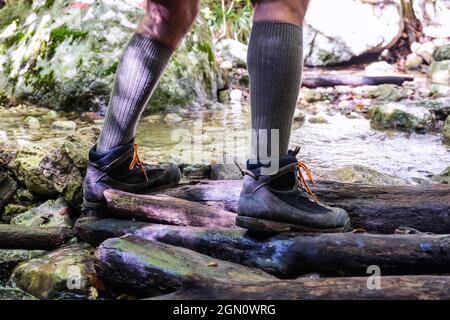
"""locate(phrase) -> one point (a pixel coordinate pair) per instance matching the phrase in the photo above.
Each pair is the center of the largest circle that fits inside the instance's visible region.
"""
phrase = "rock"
(64, 125)
(233, 51)
(413, 61)
(439, 107)
(90, 117)
(442, 53)
(235, 96)
(380, 68)
(7, 189)
(360, 174)
(172, 118)
(9, 293)
(387, 92)
(52, 213)
(57, 61)
(318, 120)
(46, 169)
(24, 197)
(424, 50)
(32, 122)
(66, 273)
(310, 95)
(51, 115)
(299, 115)
(225, 172)
(12, 210)
(78, 144)
(196, 171)
(224, 96)
(373, 28)
(10, 258)
(443, 177)
(433, 15)
(446, 129)
(399, 116)
(440, 72)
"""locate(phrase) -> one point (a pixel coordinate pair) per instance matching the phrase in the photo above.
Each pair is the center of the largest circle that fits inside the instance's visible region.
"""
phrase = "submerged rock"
(360, 174)
(65, 56)
(66, 273)
(387, 92)
(400, 116)
(52, 213)
(64, 125)
(78, 144)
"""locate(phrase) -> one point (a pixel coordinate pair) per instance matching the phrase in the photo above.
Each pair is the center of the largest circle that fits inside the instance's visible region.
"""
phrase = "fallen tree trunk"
(352, 80)
(392, 287)
(147, 267)
(379, 209)
(167, 210)
(33, 238)
(290, 255)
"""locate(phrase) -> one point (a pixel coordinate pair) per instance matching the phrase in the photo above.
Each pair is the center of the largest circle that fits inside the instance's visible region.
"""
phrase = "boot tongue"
(284, 182)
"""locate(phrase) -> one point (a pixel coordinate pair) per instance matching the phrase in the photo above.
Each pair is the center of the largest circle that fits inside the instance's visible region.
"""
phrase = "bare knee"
(292, 11)
(169, 20)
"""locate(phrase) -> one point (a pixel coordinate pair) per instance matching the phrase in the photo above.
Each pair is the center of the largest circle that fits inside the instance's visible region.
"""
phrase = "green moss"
(9, 42)
(16, 11)
(60, 34)
(206, 47)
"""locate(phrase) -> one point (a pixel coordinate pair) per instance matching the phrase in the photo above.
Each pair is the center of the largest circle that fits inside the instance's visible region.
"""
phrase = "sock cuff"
(150, 45)
(278, 28)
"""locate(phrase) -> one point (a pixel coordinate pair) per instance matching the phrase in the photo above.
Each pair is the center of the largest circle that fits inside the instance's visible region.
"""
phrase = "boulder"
(233, 51)
(78, 144)
(66, 273)
(440, 72)
(400, 116)
(373, 26)
(10, 258)
(12, 210)
(52, 213)
(46, 169)
(433, 15)
(360, 174)
(64, 54)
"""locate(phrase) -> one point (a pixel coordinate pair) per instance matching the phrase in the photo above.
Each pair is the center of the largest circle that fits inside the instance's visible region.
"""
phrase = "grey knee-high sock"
(275, 61)
(138, 73)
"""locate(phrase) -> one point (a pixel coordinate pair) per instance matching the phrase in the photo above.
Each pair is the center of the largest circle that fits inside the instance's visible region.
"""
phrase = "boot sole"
(274, 227)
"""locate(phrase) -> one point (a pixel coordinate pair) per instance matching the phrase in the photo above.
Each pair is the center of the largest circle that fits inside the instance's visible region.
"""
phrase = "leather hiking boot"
(284, 201)
(122, 169)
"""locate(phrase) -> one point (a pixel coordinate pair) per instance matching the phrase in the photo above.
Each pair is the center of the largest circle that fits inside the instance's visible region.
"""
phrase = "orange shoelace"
(302, 166)
(138, 161)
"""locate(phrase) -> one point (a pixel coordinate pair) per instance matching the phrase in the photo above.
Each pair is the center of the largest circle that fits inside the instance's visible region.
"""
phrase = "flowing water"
(201, 133)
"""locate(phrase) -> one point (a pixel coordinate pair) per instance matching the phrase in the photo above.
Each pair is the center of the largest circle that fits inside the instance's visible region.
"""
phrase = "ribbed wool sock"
(275, 61)
(138, 73)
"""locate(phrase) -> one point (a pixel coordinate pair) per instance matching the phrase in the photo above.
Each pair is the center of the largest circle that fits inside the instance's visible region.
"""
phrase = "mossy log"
(33, 238)
(353, 80)
(352, 288)
(290, 255)
(147, 267)
(378, 209)
(167, 210)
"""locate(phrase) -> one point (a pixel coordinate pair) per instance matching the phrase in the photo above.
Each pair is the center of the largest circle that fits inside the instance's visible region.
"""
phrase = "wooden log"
(290, 255)
(33, 238)
(378, 209)
(353, 288)
(353, 80)
(167, 210)
(147, 267)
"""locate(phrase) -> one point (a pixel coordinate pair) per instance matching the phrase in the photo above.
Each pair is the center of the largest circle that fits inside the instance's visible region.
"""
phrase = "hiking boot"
(284, 202)
(122, 169)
